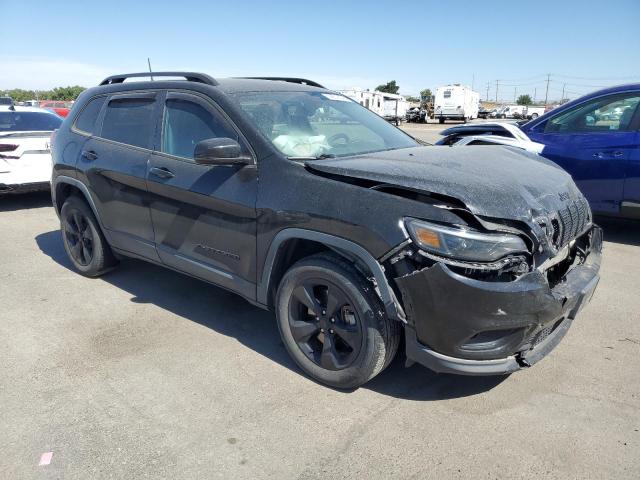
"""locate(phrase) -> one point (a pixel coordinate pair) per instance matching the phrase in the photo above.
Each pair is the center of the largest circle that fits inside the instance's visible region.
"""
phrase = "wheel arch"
(291, 244)
(65, 186)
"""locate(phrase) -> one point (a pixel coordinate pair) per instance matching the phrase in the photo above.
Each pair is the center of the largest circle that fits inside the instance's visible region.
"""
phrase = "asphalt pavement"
(146, 373)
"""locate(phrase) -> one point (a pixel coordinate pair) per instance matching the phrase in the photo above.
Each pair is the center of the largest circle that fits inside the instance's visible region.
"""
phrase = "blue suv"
(596, 139)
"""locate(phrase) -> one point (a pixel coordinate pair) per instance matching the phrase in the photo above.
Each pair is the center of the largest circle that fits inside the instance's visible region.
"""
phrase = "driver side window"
(186, 123)
(611, 113)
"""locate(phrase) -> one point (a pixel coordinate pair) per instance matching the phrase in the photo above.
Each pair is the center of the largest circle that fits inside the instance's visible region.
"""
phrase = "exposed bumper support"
(465, 326)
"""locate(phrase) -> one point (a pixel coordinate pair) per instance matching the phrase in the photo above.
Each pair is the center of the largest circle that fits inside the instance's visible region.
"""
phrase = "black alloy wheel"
(324, 324)
(79, 237)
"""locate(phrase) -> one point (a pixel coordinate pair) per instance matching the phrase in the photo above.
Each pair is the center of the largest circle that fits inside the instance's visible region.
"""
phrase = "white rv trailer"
(387, 105)
(456, 102)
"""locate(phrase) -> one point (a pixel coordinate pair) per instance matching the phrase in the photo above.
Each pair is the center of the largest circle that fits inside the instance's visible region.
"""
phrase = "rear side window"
(186, 123)
(86, 121)
(130, 121)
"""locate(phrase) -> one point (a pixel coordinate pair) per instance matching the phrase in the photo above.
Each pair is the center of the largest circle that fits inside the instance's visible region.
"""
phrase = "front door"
(204, 216)
(593, 141)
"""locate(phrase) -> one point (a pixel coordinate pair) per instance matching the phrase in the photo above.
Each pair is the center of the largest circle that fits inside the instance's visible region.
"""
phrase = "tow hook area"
(522, 361)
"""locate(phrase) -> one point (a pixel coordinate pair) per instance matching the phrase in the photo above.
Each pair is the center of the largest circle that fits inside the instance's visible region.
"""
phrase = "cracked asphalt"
(146, 373)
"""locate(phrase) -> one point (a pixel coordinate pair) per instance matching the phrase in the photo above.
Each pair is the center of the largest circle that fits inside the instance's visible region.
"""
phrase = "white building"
(387, 105)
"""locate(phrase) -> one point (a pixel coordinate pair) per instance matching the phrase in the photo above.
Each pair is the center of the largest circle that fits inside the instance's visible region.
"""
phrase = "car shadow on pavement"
(23, 201)
(228, 314)
(620, 230)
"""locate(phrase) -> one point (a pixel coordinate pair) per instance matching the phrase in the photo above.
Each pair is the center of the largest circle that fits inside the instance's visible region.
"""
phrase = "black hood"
(498, 182)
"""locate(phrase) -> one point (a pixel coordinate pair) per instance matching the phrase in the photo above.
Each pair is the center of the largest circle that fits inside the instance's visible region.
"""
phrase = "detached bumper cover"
(466, 326)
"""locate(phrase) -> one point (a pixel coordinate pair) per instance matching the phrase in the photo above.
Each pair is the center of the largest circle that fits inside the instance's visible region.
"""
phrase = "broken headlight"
(463, 244)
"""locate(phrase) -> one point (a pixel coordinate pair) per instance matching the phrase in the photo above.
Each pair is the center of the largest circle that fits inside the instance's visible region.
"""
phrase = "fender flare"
(391, 304)
(63, 179)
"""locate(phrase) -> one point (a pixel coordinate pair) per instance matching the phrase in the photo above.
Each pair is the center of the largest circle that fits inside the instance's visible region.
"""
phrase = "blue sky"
(420, 44)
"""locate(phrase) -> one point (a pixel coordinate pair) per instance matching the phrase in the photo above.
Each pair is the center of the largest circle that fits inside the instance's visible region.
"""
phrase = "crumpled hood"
(498, 182)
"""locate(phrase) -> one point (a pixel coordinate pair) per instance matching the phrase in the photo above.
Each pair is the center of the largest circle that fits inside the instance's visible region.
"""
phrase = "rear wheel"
(83, 240)
(332, 322)
(534, 116)
(441, 120)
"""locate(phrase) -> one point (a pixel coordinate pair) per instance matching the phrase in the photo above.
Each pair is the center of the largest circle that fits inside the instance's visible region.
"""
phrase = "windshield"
(319, 124)
(17, 121)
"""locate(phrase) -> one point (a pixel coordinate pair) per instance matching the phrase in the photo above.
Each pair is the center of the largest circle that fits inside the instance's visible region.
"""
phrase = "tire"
(534, 116)
(83, 240)
(359, 339)
(441, 120)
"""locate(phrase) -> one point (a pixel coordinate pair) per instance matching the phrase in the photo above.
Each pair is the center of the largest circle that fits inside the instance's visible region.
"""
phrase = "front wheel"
(333, 324)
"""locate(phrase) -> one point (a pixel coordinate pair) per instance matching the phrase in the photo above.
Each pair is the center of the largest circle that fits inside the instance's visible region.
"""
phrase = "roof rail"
(301, 81)
(189, 76)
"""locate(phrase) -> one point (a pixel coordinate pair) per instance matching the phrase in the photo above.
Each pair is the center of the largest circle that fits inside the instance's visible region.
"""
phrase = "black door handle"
(89, 154)
(161, 172)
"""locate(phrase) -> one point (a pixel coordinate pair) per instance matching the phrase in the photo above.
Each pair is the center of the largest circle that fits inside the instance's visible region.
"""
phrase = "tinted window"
(29, 121)
(611, 113)
(87, 119)
(447, 94)
(186, 123)
(130, 121)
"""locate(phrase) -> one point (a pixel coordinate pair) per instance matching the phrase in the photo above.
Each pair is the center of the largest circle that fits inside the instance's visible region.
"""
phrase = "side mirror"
(219, 151)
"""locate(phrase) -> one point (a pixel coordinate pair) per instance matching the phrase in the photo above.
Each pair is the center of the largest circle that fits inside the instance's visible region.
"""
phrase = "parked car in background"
(416, 115)
(62, 108)
(484, 112)
(354, 233)
(532, 112)
(512, 111)
(596, 138)
(25, 156)
(456, 102)
(6, 101)
(489, 133)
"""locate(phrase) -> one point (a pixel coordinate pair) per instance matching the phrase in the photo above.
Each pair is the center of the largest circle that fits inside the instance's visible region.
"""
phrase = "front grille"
(571, 221)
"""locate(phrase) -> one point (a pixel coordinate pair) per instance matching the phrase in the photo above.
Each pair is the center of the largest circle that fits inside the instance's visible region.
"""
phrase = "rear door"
(114, 166)
(204, 216)
(594, 142)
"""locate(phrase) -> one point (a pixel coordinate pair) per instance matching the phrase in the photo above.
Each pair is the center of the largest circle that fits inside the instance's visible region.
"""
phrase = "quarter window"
(130, 121)
(611, 113)
(187, 123)
(87, 119)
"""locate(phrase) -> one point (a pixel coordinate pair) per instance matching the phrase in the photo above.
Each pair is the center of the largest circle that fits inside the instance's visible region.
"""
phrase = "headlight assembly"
(463, 244)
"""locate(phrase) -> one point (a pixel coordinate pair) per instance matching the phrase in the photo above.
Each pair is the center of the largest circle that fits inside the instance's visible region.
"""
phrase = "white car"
(25, 156)
(489, 133)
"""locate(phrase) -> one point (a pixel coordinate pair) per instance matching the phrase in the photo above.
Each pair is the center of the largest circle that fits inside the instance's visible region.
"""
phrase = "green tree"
(58, 93)
(389, 87)
(411, 98)
(524, 100)
(425, 94)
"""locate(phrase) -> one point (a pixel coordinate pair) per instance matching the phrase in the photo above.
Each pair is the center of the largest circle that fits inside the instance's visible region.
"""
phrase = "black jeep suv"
(355, 234)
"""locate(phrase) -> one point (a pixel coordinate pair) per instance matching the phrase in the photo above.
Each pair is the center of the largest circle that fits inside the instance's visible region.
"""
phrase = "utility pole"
(562, 97)
(546, 95)
(515, 93)
(497, 90)
(487, 91)
(473, 80)
(535, 90)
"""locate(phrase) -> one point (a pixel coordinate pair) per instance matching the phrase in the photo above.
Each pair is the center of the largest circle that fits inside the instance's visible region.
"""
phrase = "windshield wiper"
(324, 156)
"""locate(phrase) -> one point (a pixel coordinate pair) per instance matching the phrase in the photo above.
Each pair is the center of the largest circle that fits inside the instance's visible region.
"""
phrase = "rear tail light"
(7, 147)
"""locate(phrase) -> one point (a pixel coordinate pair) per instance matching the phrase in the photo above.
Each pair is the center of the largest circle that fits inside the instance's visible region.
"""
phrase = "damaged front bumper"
(457, 324)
